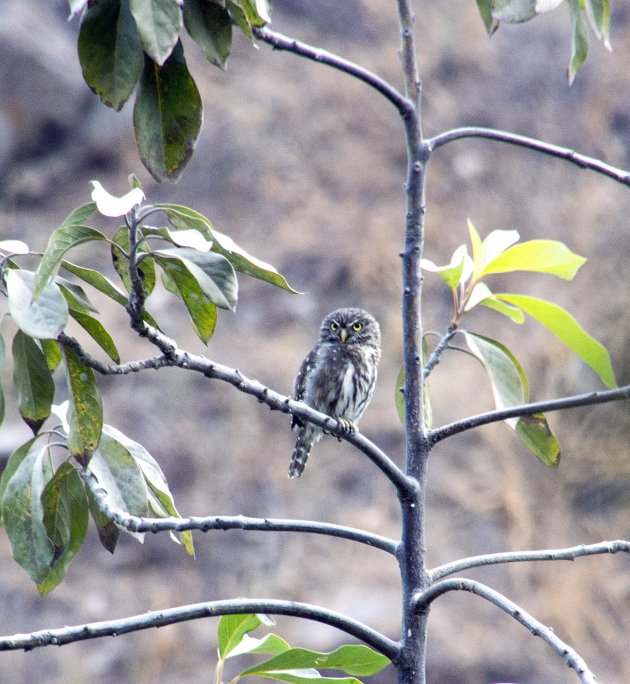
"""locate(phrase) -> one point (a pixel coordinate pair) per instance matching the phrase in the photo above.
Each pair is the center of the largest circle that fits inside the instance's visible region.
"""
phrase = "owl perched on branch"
(337, 377)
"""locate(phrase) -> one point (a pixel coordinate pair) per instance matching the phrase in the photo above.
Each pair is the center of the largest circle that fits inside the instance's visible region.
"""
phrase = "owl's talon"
(347, 427)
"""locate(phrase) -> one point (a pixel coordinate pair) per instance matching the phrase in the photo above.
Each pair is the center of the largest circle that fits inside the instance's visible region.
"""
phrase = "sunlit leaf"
(512, 312)
(562, 324)
(13, 247)
(66, 521)
(451, 273)
(33, 381)
(231, 630)
(271, 644)
(85, 412)
(42, 318)
(535, 434)
(541, 256)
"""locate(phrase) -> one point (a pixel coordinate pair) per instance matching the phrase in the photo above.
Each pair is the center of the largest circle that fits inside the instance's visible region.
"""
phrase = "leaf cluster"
(44, 503)
(127, 45)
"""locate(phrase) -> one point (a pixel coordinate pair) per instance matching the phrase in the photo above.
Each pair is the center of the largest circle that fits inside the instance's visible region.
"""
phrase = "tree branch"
(571, 657)
(434, 357)
(568, 554)
(588, 399)
(565, 153)
(229, 522)
(281, 42)
(170, 616)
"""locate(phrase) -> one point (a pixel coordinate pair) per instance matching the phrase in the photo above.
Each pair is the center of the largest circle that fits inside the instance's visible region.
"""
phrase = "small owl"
(337, 377)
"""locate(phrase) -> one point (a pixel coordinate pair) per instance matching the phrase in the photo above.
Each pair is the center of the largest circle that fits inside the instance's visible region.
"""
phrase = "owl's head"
(350, 326)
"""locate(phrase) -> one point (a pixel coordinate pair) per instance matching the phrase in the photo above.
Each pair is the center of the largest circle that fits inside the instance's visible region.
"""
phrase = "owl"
(337, 377)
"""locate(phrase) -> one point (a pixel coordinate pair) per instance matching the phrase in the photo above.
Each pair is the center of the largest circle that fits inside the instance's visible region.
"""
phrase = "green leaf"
(512, 312)
(352, 659)
(535, 434)
(159, 23)
(182, 217)
(451, 273)
(80, 215)
(562, 324)
(167, 116)
(598, 15)
(108, 533)
(33, 380)
(146, 269)
(203, 313)
(96, 280)
(110, 51)
(98, 333)
(210, 26)
(85, 413)
(231, 631)
(118, 472)
(579, 39)
(271, 644)
(52, 353)
(494, 244)
(154, 477)
(514, 11)
(22, 512)
(42, 318)
(66, 521)
(239, 17)
(540, 256)
(60, 242)
(258, 12)
(307, 676)
(510, 388)
(485, 10)
(508, 379)
(212, 272)
(75, 296)
(2, 355)
(12, 464)
(399, 397)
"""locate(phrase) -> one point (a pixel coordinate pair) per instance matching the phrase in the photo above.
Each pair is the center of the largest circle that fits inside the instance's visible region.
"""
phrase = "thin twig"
(228, 522)
(587, 399)
(281, 42)
(568, 554)
(571, 656)
(170, 616)
(557, 151)
(436, 354)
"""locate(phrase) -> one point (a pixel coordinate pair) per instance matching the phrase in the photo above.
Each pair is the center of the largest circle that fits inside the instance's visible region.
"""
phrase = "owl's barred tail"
(306, 438)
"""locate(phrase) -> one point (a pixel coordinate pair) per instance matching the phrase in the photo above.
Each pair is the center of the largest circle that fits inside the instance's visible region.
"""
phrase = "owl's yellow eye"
(334, 326)
(357, 326)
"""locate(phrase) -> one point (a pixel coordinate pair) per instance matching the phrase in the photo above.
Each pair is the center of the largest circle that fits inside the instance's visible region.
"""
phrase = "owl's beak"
(343, 334)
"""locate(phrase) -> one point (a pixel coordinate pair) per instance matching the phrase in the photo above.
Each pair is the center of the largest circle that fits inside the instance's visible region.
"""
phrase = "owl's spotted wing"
(299, 384)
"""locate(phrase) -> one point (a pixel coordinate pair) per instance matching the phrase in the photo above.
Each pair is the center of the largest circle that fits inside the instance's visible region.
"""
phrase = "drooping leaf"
(85, 413)
(535, 434)
(96, 280)
(23, 513)
(399, 397)
(33, 381)
(42, 318)
(510, 388)
(203, 313)
(12, 464)
(182, 217)
(258, 12)
(60, 242)
(514, 11)
(154, 478)
(485, 10)
(579, 39)
(2, 355)
(562, 324)
(75, 296)
(52, 353)
(213, 273)
(110, 51)
(65, 519)
(120, 475)
(598, 15)
(167, 116)
(187, 237)
(210, 26)
(352, 659)
(231, 630)
(108, 533)
(239, 17)
(159, 23)
(540, 256)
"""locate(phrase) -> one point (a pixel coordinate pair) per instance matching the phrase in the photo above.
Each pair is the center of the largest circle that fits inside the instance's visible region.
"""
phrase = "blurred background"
(304, 168)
